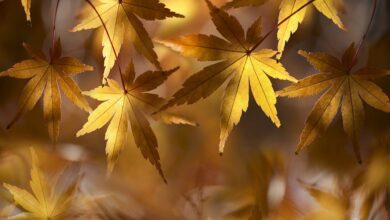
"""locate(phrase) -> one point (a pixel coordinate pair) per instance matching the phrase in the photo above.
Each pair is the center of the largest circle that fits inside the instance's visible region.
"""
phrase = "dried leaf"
(347, 88)
(246, 69)
(121, 17)
(45, 77)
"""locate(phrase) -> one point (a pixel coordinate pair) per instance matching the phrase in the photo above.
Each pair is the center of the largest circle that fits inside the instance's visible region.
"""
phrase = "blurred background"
(258, 177)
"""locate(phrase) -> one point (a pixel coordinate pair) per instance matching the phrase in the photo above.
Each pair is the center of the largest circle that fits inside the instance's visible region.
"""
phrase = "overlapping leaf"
(48, 200)
(346, 88)
(288, 7)
(46, 76)
(248, 70)
(121, 17)
(126, 111)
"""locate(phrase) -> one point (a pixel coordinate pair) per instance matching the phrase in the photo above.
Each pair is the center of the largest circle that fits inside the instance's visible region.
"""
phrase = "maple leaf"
(287, 7)
(120, 17)
(48, 200)
(129, 106)
(27, 6)
(248, 70)
(346, 87)
(45, 76)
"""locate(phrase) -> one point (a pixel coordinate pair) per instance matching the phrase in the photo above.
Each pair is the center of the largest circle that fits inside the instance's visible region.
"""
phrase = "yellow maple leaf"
(27, 6)
(329, 8)
(287, 7)
(120, 17)
(45, 77)
(346, 87)
(48, 200)
(247, 69)
(129, 106)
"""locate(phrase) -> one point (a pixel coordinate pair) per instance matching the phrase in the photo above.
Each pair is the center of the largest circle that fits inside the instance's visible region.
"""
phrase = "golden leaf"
(122, 108)
(346, 87)
(121, 17)
(287, 7)
(45, 77)
(246, 69)
(329, 8)
(47, 200)
(27, 6)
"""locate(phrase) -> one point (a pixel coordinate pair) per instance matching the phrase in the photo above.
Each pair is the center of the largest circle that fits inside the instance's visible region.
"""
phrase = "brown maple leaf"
(45, 77)
(345, 87)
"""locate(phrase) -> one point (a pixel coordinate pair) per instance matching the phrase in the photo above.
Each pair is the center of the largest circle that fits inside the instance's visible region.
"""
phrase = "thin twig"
(351, 64)
(364, 36)
(277, 26)
(112, 44)
(54, 24)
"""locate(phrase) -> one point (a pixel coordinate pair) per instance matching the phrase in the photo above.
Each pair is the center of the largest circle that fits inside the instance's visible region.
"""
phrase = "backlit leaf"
(125, 112)
(329, 8)
(47, 76)
(237, 64)
(122, 17)
(287, 7)
(27, 6)
(346, 87)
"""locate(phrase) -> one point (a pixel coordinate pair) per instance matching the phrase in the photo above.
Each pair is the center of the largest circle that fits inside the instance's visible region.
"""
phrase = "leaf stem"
(111, 43)
(54, 24)
(374, 7)
(280, 23)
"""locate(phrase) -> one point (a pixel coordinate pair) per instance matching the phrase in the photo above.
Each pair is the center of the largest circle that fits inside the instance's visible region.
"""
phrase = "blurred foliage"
(258, 177)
